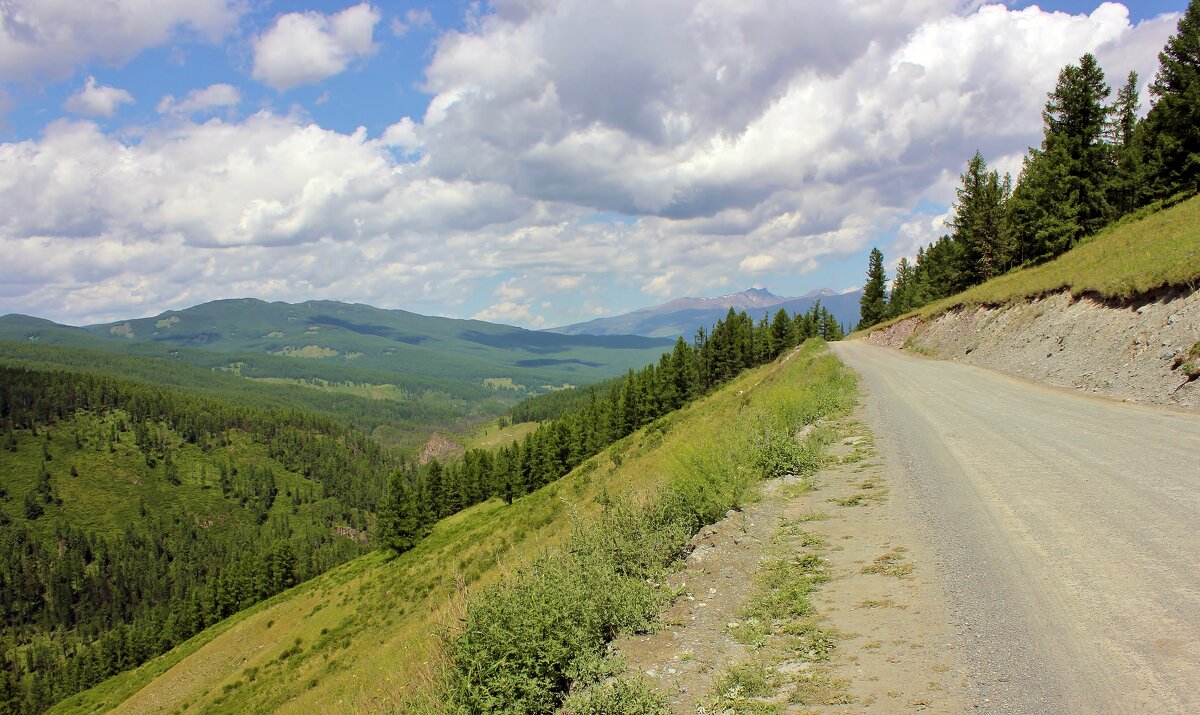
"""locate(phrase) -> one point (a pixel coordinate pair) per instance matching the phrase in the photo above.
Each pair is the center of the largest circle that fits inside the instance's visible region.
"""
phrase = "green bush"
(618, 696)
(527, 640)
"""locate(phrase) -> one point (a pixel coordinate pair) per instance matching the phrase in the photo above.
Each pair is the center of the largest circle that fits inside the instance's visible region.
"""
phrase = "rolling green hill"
(333, 341)
(395, 374)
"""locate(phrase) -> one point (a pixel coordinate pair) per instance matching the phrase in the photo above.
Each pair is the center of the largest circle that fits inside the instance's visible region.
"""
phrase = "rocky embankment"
(1147, 350)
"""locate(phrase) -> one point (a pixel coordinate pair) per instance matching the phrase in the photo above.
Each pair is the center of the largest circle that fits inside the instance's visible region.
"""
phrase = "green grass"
(492, 436)
(1139, 254)
(891, 563)
(369, 630)
(1190, 362)
(1131, 258)
(778, 624)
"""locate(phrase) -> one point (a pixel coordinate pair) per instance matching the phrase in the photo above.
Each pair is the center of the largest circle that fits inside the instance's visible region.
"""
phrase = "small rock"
(1142, 310)
(1172, 319)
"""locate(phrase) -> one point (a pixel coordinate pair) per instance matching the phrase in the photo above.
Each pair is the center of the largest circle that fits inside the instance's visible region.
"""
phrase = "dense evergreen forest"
(132, 517)
(1098, 161)
(588, 420)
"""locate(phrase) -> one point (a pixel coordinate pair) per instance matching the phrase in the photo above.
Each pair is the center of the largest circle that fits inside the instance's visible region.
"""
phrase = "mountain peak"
(820, 293)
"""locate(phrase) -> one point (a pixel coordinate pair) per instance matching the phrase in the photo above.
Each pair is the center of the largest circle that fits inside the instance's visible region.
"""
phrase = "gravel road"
(1066, 529)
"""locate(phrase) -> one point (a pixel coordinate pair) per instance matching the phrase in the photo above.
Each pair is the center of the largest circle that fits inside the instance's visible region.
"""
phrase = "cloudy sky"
(535, 162)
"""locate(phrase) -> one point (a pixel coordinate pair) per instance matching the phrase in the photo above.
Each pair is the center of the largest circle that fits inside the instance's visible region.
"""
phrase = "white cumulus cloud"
(649, 149)
(40, 38)
(97, 100)
(307, 47)
(214, 96)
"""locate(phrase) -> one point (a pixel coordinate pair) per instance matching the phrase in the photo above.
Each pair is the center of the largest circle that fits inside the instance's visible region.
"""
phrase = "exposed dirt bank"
(1136, 351)
(439, 447)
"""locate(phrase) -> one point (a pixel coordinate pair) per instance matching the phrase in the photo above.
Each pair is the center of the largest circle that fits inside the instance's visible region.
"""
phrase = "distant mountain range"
(683, 316)
(349, 342)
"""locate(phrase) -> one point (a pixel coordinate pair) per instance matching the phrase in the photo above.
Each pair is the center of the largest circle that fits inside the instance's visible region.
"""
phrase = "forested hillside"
(132, 517)
(365, 637)
(587, 421)
(412, 404)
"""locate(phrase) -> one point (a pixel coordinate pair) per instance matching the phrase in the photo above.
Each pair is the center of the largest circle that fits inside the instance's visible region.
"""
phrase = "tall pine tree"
(872, 304)
(1171, 142)
(1062, 194)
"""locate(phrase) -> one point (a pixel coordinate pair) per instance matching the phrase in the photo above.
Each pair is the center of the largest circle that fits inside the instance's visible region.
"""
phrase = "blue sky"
(530, 162)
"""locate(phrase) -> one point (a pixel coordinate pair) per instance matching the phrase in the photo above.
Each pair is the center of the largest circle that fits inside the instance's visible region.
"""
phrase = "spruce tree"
(1043, 212)
(1171, 142)
(901, 299)
(1076, 116)
(980, 224)
(1062, 194)
(1123, 130)
(872, 304)
(781, 331)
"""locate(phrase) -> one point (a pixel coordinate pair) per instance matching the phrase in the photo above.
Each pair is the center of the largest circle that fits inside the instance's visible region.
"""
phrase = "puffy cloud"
(306, 47)
(565, 147)
(756, 263)
(50, 39)
(576, 103)
(414, 18)
(214, 96)
(404, 135)
(511, 312)
(96, 100)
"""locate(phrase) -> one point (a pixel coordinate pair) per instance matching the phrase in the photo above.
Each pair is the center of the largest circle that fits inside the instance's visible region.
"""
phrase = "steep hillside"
(364, 636)
(1118, 315)
(684, 316)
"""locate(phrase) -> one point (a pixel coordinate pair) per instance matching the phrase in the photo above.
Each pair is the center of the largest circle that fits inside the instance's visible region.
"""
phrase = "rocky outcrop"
(439, 447)
(1135, 351)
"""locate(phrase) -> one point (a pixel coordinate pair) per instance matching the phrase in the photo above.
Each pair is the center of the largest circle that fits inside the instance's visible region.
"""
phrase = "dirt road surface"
(1066, 529)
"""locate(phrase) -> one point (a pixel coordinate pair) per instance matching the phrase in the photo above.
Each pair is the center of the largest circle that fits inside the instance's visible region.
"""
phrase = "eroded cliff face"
(1145, 350)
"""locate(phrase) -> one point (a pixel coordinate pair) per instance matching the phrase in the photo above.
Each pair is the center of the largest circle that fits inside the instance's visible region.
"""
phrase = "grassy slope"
(366, 631)
(493, 436)
(1130, 258)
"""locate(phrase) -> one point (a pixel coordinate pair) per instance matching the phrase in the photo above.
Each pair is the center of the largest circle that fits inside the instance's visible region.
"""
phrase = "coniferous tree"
(900, 300)
(1044, 210)
(781, 331)
(980, 225)
(1171, 141)
(873, 304)
(1062, 194)
(1126, 187)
